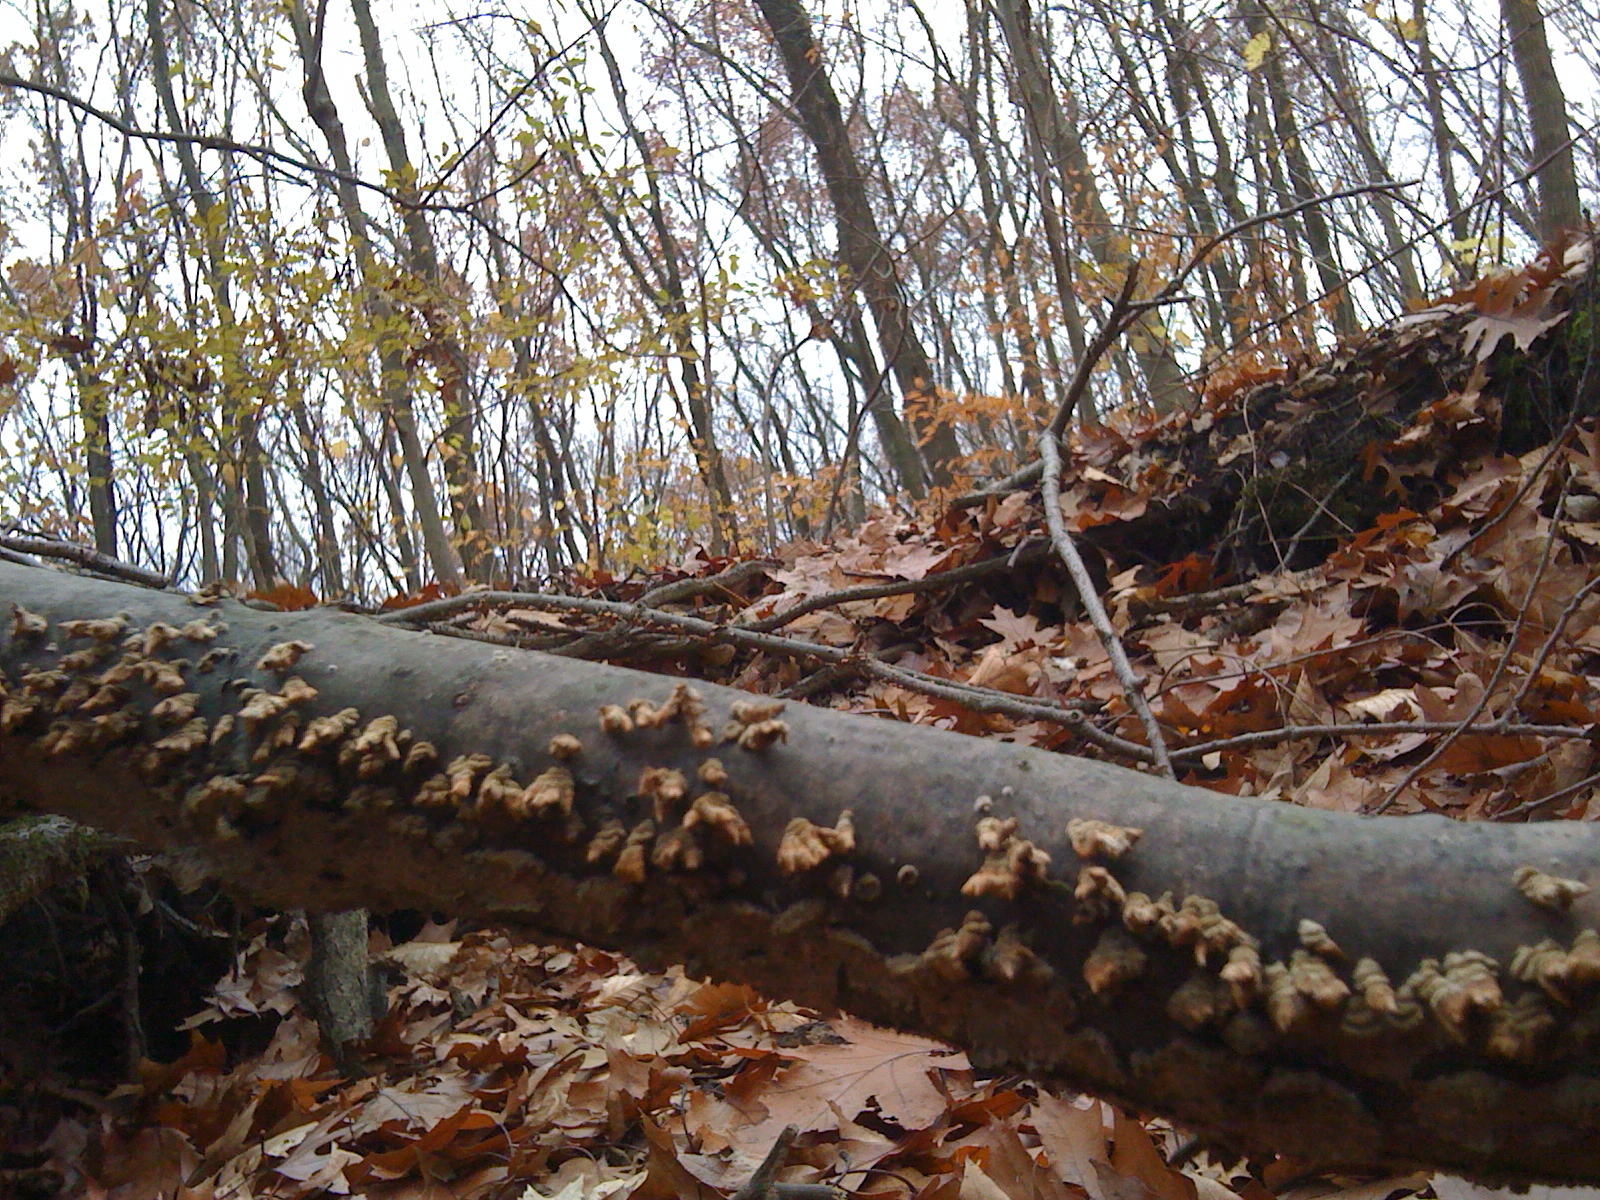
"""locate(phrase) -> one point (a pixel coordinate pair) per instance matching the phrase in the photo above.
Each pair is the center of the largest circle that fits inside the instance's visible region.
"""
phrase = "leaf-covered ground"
(507, 1068)
(1421, 633)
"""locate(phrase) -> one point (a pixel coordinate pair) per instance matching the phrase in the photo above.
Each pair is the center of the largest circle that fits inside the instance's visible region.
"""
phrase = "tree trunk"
(239, 415)
(1547, 117)
(94, 407)
(1059, 142)
(379, 803)
(861, 245)
(668, 294)
(340, 985)
(392, 373)
(1288, 144)
(458, 437)
(1444, 138)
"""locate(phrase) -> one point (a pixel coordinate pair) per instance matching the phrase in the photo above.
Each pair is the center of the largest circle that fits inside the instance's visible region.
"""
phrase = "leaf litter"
(1443, 656)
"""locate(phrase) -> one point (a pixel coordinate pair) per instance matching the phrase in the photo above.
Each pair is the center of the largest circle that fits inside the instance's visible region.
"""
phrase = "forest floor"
(1414, 627)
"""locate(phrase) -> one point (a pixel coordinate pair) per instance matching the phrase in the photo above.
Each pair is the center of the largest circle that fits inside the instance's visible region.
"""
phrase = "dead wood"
(1392, 992)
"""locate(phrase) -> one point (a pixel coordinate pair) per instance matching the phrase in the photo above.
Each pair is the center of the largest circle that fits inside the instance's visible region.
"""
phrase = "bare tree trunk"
(1444, 138)
(999, 255)
(853, 349)
(392, 373)
(555, 511)
(238, 417)
(861, 245)
(1547, 117)
(459, 436)
(674, 306)
(1287, 144)
(327, 532)
(1044, 115)
(1330, 31)
(204, 515)
(78, 334)
(92, 408)
(340, 985)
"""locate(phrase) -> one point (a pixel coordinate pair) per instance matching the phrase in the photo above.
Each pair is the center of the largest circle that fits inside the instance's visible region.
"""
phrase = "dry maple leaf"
(877, 1070)
(1508, 305)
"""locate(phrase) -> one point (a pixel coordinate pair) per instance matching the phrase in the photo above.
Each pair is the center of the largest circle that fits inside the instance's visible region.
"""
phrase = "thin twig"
(268, 157)
(1300, 733)
(688, 589)
(1025, 477)
(1567, 613)
(1287, 556)
(851, 662)
(1217, 597)
(1059, 537)
(1539, 802)
(760, 1184)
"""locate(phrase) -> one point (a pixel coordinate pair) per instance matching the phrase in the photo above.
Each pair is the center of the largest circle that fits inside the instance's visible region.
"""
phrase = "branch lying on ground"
(1027, 552)
(1195, 602)
(708, 585)
(83, 556)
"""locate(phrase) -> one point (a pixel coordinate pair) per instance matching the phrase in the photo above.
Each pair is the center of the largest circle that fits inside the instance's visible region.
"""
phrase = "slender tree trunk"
(392, 373)
(674, 306)
(238, 415)
(854, 349)
(78, 336)
(999, 254)
(382, 455)
(1332, 35)
(555, 521)
(204, 515)
(340, 983)
(1057, 138)
(861, 246)
(1287, 148)
(93, 406)
(1444, 138)
(316, 484)
(1546, 105)
(459, 451)
(1168, 135)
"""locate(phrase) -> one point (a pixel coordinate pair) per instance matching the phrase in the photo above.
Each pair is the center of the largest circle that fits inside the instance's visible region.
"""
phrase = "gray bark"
(861, 245)
(1559, 210)
(1476, 1071)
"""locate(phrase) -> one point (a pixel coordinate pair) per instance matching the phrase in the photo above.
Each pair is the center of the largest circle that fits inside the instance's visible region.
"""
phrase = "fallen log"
(1392, 993)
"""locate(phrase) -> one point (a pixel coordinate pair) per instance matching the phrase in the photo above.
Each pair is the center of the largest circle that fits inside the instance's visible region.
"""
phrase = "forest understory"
(1361, 582)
